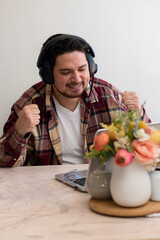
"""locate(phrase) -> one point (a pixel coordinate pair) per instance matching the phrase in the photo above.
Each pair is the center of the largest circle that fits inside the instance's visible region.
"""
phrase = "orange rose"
(100, 141)
(144, 151)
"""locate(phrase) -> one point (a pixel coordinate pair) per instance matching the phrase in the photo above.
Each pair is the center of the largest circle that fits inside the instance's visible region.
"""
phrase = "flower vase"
(155, 184)
(130, 185)
(98, 182)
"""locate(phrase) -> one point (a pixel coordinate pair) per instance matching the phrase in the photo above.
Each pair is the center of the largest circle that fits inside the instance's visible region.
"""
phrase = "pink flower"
(144, 151)
(123, 158)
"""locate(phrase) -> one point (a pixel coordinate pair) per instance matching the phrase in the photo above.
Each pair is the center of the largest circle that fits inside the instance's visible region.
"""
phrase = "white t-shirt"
(70, 134)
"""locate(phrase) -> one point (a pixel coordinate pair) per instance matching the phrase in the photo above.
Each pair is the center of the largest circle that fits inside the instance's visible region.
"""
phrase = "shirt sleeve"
(145, 118)
(12, 147)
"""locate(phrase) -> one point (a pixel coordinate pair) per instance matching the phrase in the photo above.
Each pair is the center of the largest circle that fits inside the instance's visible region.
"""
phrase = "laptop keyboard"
(80, 181)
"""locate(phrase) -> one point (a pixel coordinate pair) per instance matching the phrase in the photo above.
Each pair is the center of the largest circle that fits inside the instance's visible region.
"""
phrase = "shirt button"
(22, 145)
(14, 159)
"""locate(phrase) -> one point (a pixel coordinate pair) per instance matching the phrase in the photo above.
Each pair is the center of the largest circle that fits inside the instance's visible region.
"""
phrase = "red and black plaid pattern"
(43, 145)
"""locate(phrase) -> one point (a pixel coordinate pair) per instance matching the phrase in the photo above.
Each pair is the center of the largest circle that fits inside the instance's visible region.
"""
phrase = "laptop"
(154, 125)
(78, 179)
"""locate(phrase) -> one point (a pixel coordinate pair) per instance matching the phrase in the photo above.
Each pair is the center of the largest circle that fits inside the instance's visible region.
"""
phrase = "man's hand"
(28, 118)
(131, 100)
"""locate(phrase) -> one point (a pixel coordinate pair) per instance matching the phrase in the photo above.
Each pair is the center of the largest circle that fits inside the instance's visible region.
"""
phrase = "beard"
(75, 94)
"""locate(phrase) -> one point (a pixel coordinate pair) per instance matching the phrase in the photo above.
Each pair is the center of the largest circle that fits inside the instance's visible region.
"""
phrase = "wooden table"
(33, 205)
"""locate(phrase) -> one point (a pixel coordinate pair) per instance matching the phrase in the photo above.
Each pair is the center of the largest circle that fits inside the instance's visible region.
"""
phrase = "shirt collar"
(48, 96)
(93, 97)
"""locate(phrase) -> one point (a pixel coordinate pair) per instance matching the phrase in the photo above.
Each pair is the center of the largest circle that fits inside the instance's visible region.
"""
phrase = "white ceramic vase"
(155, 185)
(130, 186)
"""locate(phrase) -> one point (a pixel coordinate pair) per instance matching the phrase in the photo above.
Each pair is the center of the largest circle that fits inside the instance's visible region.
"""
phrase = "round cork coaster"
(110, 208)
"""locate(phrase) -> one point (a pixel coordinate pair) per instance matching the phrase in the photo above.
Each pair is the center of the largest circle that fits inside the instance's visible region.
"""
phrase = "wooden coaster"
(110, 208)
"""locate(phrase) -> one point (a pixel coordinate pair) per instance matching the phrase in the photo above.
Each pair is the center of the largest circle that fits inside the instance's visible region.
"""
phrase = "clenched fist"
(131, 100)
(28, 118)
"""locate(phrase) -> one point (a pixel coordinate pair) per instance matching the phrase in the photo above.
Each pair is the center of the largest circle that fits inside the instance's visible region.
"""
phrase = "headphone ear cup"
(92, 65)
(46, 73)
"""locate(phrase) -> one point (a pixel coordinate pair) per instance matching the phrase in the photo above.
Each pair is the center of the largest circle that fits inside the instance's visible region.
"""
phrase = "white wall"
(125, 35)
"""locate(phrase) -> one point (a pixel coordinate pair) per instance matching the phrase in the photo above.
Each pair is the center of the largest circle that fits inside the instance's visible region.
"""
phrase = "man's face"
(71, 74)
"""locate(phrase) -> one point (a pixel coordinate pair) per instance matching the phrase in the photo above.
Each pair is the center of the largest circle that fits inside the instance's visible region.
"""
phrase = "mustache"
(74, 84)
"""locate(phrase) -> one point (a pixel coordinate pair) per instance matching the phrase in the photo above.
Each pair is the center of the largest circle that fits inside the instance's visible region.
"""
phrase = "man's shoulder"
(38, 90)
(99, 83)
(39, 86)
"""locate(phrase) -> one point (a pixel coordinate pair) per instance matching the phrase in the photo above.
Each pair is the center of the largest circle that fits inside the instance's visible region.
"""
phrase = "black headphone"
(45, 70)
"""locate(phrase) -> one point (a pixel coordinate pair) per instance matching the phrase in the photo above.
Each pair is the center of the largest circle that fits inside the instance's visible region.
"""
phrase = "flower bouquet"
(134, 148)
(125, 139)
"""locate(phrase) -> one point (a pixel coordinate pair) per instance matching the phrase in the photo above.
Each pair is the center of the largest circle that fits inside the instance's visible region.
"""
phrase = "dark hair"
(63, 46)
(57, 45)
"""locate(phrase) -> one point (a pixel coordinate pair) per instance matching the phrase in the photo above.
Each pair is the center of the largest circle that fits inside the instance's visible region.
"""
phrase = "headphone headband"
(51, 42)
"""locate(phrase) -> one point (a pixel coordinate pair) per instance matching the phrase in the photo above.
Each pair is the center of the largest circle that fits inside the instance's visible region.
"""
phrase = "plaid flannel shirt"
(43, 145)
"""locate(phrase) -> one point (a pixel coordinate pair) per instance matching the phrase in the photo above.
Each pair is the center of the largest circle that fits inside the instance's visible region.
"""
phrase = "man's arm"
(16, 135)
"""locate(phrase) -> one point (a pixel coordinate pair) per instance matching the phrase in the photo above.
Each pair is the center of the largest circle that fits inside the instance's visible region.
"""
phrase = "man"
(54, 122)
